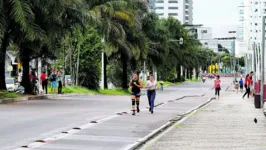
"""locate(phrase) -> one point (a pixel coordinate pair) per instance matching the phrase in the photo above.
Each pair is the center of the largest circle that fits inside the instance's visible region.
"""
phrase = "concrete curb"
(177, 120)
(13, 100)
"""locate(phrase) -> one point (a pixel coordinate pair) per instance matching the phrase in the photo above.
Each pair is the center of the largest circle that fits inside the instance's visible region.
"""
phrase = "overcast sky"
(216, 13)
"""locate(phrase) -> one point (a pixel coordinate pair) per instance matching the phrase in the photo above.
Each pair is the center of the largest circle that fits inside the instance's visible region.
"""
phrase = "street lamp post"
(262, 59)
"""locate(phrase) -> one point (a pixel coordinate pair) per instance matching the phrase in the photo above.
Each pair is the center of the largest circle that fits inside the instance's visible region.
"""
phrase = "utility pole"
(77, 73)
(102, 86)
(262, 59)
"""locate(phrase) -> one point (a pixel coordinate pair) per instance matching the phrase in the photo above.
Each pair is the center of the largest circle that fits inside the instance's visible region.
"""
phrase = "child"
(161, 85)
(241, 84)
(236, 86)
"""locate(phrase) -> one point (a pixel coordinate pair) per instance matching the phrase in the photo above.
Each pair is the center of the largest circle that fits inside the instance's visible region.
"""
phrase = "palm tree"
(14, 14)
(52, 25)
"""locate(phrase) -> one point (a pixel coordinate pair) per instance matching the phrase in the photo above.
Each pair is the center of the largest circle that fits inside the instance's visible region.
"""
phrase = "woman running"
(135, 85)
(151, 93)
(217, 86)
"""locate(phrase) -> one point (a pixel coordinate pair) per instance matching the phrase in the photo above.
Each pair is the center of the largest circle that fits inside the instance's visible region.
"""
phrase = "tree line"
(77, 32)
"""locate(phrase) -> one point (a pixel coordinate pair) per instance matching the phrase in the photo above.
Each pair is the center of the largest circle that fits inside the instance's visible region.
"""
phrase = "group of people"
(136, 85)
(54, 78)
(246, 82)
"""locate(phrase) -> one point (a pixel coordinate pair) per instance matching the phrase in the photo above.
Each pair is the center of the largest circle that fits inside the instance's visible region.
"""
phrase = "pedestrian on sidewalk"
(44, 81)
(217, 86)
(151, 92)
(59, 79)
(161, 85)
(53, 81)
(248, 84)
(241, 84)
(135, 85)
(236, 86)
(252, 90)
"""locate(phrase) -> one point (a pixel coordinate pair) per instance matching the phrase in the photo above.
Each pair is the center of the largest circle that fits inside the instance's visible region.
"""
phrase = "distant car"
(11, 85)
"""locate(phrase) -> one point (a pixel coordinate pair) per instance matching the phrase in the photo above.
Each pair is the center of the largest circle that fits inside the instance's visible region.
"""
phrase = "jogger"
(217, 86)
(151, 93)
(135, 85)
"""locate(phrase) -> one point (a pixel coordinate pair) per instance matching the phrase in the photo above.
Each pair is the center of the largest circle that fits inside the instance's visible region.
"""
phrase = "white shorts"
(251, 87)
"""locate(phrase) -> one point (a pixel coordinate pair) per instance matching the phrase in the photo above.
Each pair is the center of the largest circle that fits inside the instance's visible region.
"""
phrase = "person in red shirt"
(44, 81)
(247, 86)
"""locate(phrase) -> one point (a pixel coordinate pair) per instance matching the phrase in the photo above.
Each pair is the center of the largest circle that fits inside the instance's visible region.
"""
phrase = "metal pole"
(262, 59)
(102, 84)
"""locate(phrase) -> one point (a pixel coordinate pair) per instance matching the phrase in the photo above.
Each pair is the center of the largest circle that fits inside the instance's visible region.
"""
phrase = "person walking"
(252, 90)
(44, 81)
(151, 92)
(217, 86)
(161, 85)
(241, 84)
(135, 85)
(53, 81)
(248, 84)
(59, 79)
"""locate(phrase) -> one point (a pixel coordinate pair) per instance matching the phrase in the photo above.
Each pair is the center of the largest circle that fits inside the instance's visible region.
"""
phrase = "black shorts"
(241, 86)
(135, 94)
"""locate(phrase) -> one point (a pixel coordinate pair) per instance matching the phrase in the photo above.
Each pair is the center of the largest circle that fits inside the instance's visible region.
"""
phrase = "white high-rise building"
(179, 9)
(251, 12)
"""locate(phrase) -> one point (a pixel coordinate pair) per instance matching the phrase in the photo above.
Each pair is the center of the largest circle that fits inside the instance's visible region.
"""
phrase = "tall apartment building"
(251, 12)
(179, 9)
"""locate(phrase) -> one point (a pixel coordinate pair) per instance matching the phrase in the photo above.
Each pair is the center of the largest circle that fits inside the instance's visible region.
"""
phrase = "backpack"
(53, 77)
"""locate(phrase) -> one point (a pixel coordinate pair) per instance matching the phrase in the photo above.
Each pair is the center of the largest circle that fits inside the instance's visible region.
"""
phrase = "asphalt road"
(25, 122)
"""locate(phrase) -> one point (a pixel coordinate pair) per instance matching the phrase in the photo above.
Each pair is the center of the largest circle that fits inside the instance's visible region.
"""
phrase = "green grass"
(194, 80)
(113, 92)
(80, 90)
(5, 94)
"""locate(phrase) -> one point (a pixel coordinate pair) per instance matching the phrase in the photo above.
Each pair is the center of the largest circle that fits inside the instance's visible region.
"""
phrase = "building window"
(187, 7)
(186, 18)
(159, 1)
(172, 14)
(159, 8)
(173, 2)
(173, 7)
(232, 32)
(186, 12)
(204, 31)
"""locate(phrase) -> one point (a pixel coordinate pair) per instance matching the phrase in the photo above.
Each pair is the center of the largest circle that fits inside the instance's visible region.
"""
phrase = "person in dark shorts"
(135, 85)
(217, 86)
(44, 81)
(241, 84)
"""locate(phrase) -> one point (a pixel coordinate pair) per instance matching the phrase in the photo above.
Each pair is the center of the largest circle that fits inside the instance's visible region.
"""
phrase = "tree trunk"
(25, 59)
(105, 72)
(124, 82)
(197, 73)
(190, 73)
(187, 75)
(4, 45)
(178, 73)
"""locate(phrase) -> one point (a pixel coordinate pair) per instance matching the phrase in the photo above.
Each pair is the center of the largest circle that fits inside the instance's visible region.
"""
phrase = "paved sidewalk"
(224, 124)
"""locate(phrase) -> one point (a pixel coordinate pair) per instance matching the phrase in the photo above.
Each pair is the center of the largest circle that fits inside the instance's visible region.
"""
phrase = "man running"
(135, 85)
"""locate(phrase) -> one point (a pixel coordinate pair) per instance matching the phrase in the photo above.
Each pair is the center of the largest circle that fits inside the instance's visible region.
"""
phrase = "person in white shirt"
(151, 93)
